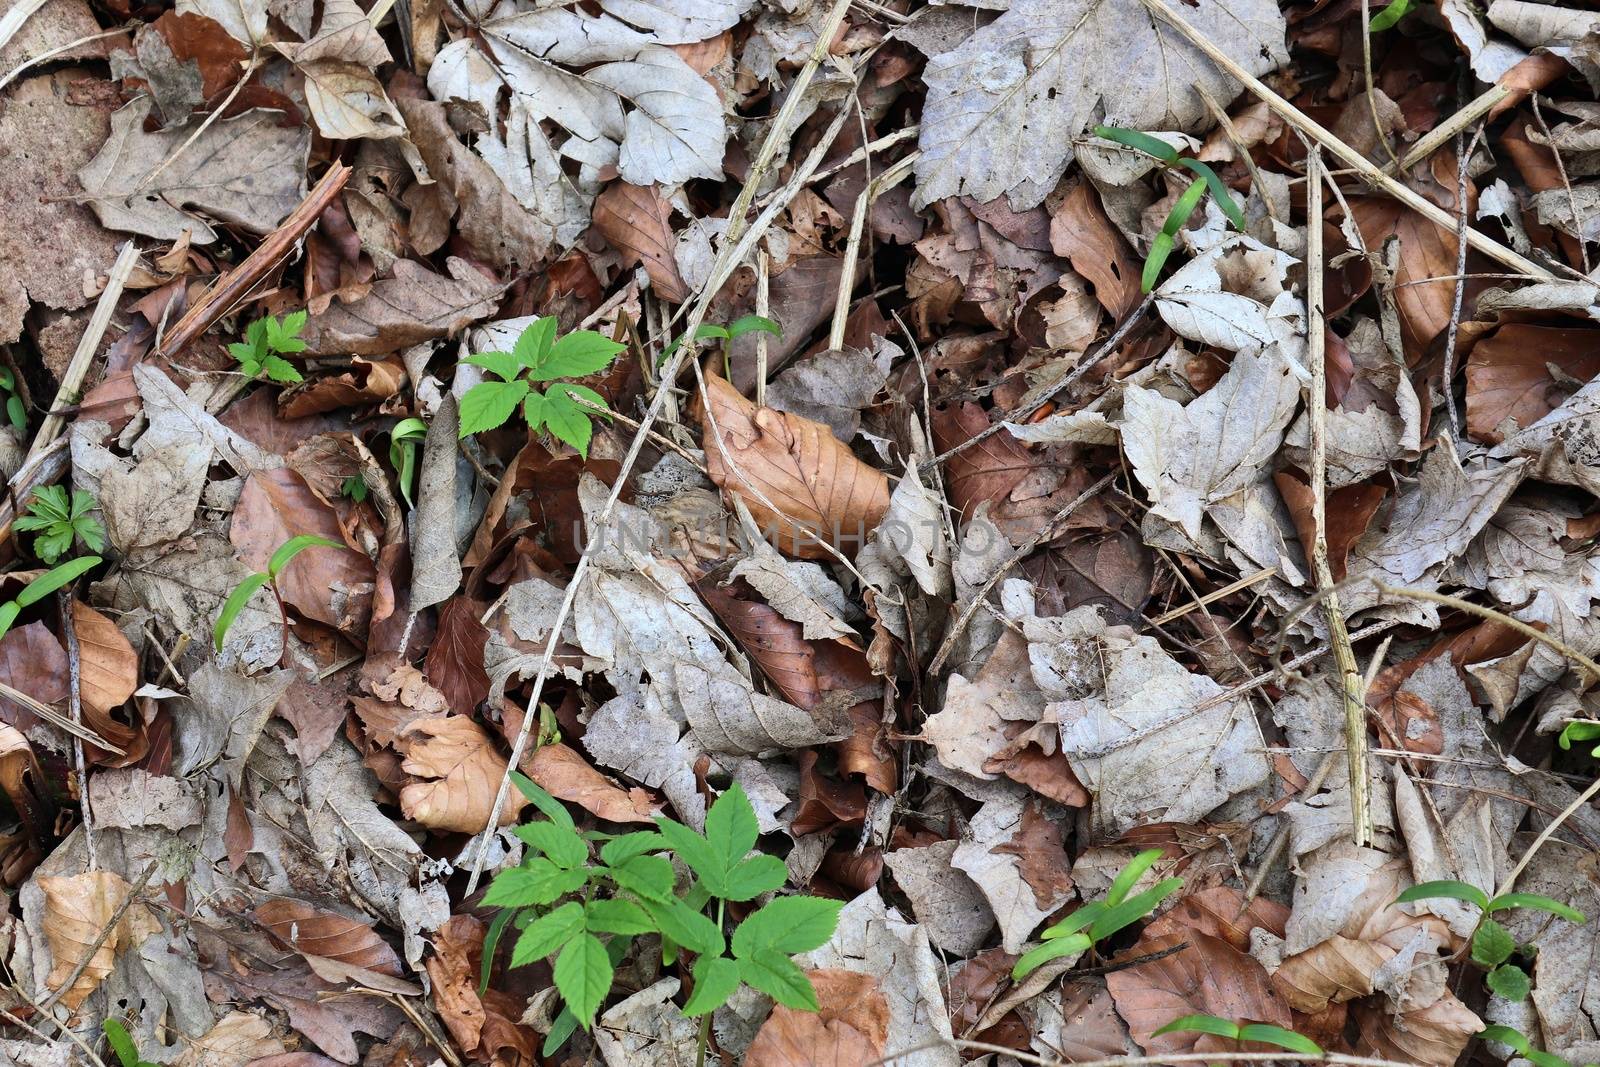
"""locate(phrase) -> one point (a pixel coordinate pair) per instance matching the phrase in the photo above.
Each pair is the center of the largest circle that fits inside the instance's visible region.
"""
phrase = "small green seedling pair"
(1580, 730)
(1519, 1043)
(43, 586)
(266, 342)
(1101, 918)
(1491, 944)
(1187, 201)
(246, 589)
(404, 440)
(1265, 1033)
(16, 414)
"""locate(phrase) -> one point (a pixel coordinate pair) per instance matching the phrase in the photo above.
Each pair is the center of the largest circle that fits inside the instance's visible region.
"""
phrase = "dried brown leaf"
(459, 771)
(312, 931)
(77, 909)
(455, 659)
(1209, 977)
(636, 219)
(108, 667)
(848, 1029)
(415, 305)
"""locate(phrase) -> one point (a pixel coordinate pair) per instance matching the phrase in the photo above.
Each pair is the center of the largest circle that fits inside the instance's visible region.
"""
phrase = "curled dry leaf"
(77, 909)
(459, 771)
(565, 775)
(415, 305)
(314, 932)
(108, 667)
(636, 219)
(813, 487)
(848, 1029)
(455, 659)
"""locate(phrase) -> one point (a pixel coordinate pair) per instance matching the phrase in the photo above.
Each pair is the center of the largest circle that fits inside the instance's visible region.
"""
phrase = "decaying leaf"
(458, 771)
(78, 909)
(850, 1027)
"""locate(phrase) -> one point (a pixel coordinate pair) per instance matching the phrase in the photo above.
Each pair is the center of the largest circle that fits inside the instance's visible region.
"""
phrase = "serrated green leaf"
(577, 355)
(280, 369)
(731, 827)
(788, 925)
(685, 926)
(584, 393)
(548, 933)
(1200, 1024)
(1493, 944)
(694, 850)
(1535, 902)
(502, 365)
(715, 979)
(491, 940)
(293, 547)
(293, 323)
(753, 876)
(533, 345)
(536, 882)
(566, 421)
(624, 848)
(50, 501)
(488, 405)
(233, 606)
(1133, 909)
(1267, 1034)
(1509, 981)
(648, 876)
(1130, 874)
(1448, 889)
(1066, 945)
(1505, 1035)
(548, 805)
(91, 533)
(583, 974)
(618, 917)
(53, 543)
(561, 844)
(1150, 146)
(774, 974)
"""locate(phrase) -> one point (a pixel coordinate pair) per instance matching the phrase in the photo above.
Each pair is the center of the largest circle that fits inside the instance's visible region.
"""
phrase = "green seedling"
(246, 589)
(1265, 1033)
(1491, 944)
(585, 910)
(404, 440)
(1580, 730)
(59, 519)
(1101, 918)
(711, 331)
(1519, 1044)
(1187, 201)
(564, 408)
(42, 586)
(16, 414)
(1389, 16)
(266, 342)
(121, 1043)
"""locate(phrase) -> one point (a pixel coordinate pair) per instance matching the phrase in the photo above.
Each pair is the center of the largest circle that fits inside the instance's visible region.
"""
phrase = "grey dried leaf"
(415, 305)
(950, 906)
(247, 171)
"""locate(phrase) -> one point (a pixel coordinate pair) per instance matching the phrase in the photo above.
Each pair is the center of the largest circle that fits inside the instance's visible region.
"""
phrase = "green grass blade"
(1268, 1034)
(1130, 875)
(1140, 141)
(1537, 903)
(1160, 249)
(1219, 191)
(236, 601)
(54, 579)
(1031, 960)
(1200, 1024)
(121, 1042)
(1389, 16)
(1446, 888)
(292, 548)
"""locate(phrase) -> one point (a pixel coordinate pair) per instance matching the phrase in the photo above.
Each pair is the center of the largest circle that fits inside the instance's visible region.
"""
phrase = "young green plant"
(59, 519)
(1491, 944)
(121, 1043)
(587, 913)
(1580, 730)
(1519, 1043)
(1101, 918)
(1265, 1033)
(16, 414)
(266, 342)
(246, 589)
(42, 586)
(1187, 201)
(564, 408)
(731, 332)
(1390, 15)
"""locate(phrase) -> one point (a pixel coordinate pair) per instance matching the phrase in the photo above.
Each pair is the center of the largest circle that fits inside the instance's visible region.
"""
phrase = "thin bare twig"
(75, 706)
(1448, 372)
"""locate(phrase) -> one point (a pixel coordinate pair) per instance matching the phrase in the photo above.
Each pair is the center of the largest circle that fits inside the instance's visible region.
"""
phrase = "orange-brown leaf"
(108, 668)
(77, 910)
(848, 1029)
(313, 932)
(458, 771)
(811, 483)
(636, 219)
(1508, 375)
(1209, 977)
(565, 775)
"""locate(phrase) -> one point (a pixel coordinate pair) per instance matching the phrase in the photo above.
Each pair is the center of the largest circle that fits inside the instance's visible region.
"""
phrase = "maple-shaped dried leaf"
(77, 910)
(248, 172)
(849, 1028)
(799, 482)
(1005, 106)
(455, 659)
(459, 770)
(108, 667)
(312, 931)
